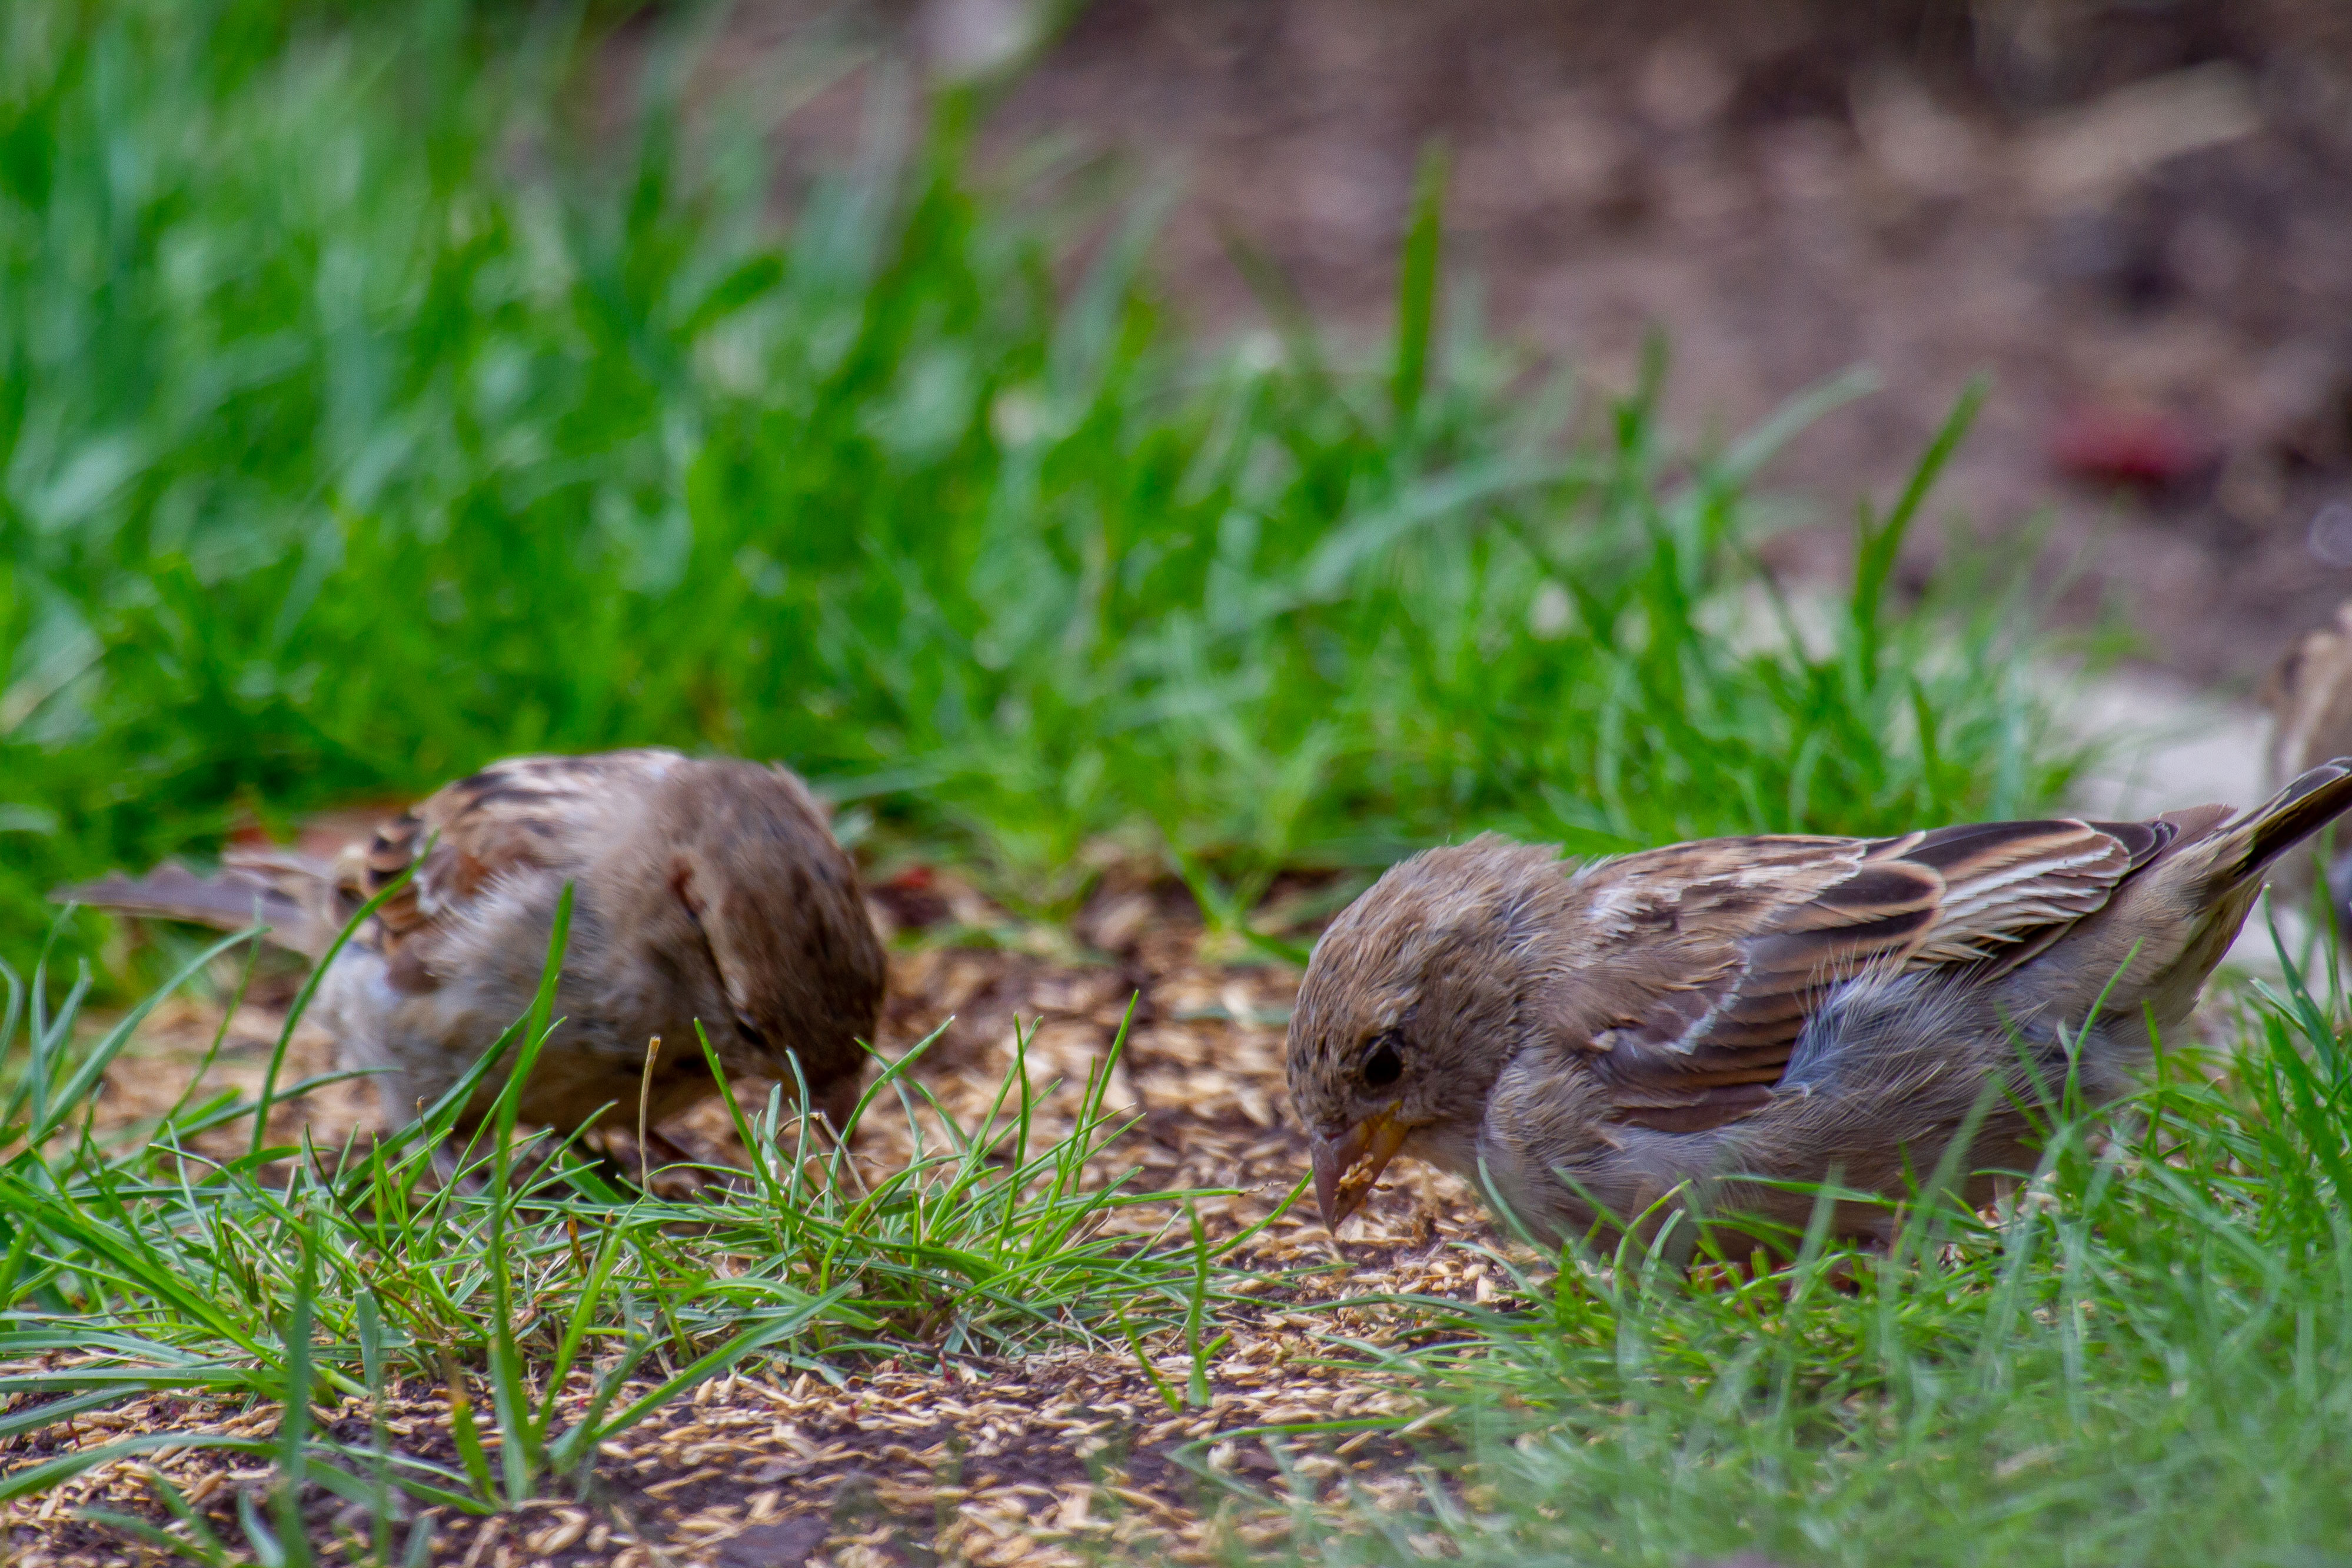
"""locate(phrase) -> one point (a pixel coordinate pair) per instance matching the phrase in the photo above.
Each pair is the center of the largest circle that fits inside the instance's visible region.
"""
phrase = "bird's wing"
(1735, 941)
(524, 813)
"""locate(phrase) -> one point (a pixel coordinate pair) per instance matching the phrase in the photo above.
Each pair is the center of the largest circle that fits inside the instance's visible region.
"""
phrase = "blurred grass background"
(375, 404)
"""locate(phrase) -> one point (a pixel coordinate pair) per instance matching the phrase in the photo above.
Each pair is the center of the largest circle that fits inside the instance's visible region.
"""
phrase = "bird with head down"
(710, 899)
(1738, 1017)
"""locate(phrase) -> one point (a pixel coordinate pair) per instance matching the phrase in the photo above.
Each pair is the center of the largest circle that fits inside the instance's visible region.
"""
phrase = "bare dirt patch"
(1061, 1457)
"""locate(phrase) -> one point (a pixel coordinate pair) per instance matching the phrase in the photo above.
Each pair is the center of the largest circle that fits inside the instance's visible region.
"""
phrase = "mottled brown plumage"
(1781, 1008)
(706, 891)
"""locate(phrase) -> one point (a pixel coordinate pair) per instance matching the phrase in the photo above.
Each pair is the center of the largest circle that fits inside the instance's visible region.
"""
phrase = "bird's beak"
(1346, 1166)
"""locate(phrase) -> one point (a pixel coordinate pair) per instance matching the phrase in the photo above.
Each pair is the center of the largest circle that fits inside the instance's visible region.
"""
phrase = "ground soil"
(1067, 1456)
(2135, 215)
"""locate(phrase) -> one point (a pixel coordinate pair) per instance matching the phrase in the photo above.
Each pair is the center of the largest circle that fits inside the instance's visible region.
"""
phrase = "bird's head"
(775, 904)
(1413, 1001)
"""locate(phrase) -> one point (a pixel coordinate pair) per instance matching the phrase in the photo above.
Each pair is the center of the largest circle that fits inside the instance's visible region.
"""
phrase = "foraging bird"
(708, 892)
(2309, 696)
(1734, 1013)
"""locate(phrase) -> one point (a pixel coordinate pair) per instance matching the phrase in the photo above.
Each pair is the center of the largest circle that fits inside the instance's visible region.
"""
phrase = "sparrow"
(2309, 696)
(704, 891)
(1695, 1023)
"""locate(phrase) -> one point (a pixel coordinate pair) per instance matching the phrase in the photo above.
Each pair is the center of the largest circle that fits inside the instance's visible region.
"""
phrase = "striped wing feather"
(527, 812)
(1990, 893)
(522, 813)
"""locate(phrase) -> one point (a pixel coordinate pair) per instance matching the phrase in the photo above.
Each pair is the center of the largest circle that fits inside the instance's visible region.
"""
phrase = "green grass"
(361, 420)
(2147, 1360)
(2145, 1357)
(523, 1264)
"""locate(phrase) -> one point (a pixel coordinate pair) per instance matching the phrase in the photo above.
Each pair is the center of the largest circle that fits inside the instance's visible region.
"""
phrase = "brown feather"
(1765, 928)
(173, 891)
(2286, 818)
(772, 955)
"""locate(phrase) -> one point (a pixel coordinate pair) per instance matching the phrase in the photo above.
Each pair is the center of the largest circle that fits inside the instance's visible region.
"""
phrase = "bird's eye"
(750, 1030)
(1383, 1064)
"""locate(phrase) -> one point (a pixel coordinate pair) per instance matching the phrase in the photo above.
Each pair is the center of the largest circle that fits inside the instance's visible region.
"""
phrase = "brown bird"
(2309, 696)
(706, 891)
(1737, 1012)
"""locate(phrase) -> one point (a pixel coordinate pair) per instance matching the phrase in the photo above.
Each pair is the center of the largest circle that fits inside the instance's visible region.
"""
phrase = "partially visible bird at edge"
(2309, 696)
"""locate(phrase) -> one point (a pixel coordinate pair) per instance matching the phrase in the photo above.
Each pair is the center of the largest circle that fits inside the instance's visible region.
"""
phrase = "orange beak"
(1346, 1166)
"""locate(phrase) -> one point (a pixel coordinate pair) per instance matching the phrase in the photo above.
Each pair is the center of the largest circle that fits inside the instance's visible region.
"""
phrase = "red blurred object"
(911, 897)
(2144, 447)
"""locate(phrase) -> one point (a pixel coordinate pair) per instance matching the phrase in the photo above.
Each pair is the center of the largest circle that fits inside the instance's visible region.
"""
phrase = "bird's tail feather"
(2314, 799)
(268, 891)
